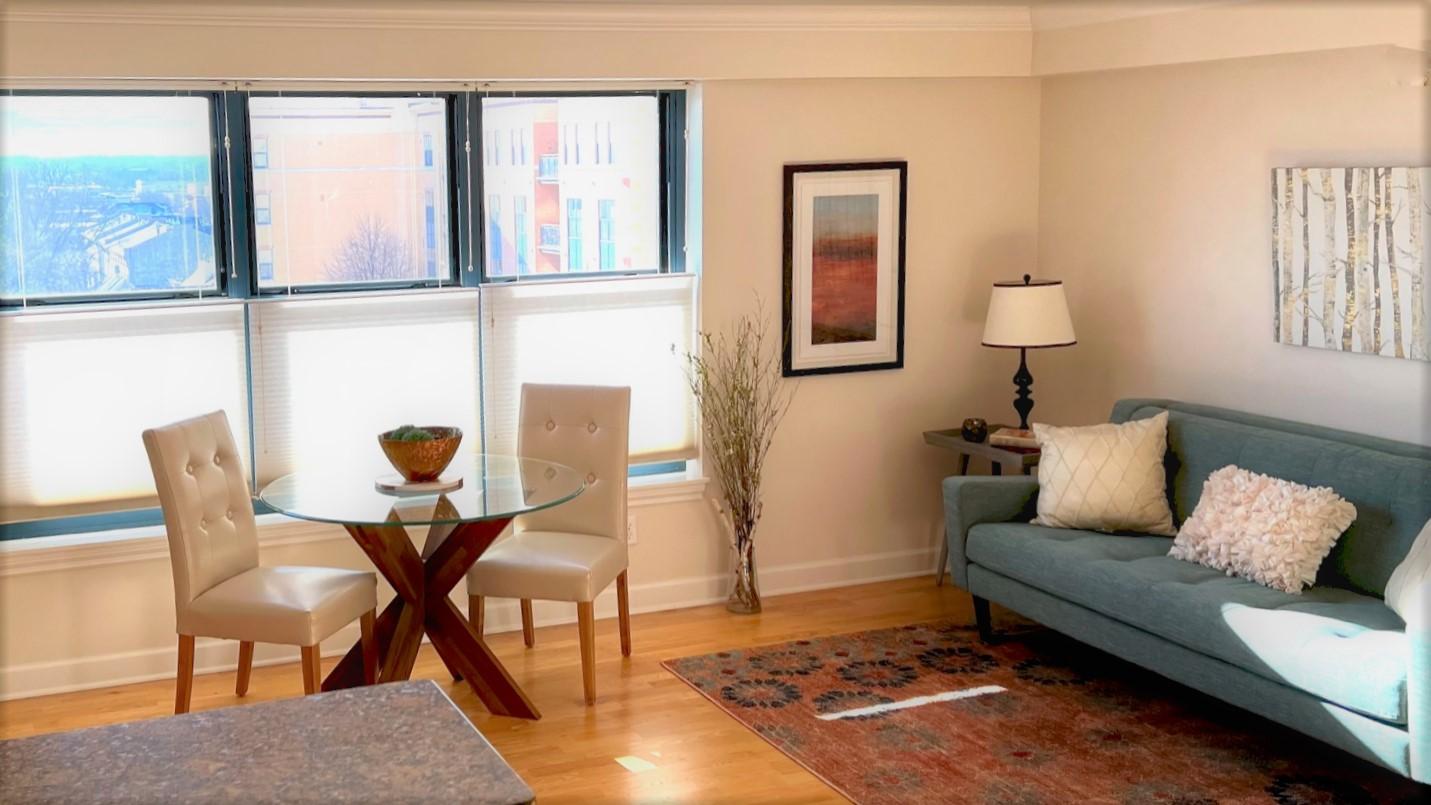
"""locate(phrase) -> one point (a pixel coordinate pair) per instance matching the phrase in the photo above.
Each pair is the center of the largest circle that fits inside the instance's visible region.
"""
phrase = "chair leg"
(623, 608)
(312, 670)
(369, 640)
(245, 667)
(529, 632)
(476, 612)
(184, 682)
(586, 626)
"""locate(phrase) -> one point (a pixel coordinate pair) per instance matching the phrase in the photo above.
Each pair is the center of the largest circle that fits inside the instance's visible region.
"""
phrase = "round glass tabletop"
(493, 487)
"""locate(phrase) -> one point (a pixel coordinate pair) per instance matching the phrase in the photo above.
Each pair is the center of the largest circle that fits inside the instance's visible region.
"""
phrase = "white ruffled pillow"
(1261, 528)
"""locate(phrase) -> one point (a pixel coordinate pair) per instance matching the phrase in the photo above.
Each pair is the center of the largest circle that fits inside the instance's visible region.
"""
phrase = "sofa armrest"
(1418, 681)
(970, 500)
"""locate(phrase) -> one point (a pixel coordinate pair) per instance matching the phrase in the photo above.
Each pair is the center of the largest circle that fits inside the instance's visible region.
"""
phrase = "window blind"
(77, 389)
(632, 331)
(329, 375)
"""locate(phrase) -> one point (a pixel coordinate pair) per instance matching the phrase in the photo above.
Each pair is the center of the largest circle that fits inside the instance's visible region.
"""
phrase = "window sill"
(658, 490)
(69, 551)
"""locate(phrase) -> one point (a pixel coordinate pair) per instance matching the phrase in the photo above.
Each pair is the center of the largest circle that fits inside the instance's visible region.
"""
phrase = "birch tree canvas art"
(1349, 259)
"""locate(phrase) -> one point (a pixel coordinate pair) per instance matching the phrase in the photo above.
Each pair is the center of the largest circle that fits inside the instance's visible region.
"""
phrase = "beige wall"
(852, 492)
(1154, 206)
(849, 474)
(1132, 33)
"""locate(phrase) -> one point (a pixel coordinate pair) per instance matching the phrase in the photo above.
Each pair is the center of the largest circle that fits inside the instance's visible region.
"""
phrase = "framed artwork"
(1349, 262)
(843, 307)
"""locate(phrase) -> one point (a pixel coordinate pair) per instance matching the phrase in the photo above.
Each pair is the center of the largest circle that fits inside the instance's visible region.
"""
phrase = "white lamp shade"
(1028, 313)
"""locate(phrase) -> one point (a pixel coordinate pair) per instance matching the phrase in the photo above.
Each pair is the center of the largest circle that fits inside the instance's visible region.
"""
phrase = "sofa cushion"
(1388, 482)
(1338, 645)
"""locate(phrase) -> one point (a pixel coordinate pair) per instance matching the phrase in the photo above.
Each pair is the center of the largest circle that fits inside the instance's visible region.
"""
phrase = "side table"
(1000, 458)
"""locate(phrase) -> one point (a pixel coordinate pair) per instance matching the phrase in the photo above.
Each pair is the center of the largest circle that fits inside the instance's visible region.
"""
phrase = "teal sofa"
(1334, 662)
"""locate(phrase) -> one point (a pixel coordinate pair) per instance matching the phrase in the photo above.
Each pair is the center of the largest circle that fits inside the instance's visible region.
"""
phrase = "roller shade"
(629, 331)
(330, 374)
(77, 390)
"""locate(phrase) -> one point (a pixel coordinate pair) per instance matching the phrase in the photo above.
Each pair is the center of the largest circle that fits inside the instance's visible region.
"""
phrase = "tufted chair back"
(586, 428)
(207, 509)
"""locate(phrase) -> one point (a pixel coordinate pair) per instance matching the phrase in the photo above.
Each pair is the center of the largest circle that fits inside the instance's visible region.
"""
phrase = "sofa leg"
(982, 619)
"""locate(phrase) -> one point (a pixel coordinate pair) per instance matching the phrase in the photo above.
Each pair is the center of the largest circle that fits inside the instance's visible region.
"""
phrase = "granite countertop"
(400, 742)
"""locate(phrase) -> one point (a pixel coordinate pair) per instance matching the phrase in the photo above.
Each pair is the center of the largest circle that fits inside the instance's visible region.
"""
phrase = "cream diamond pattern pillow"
(1105, 477)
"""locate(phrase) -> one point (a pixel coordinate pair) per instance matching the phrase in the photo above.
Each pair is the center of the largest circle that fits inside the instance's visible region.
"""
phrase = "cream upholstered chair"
(573, 551)
(219, 588)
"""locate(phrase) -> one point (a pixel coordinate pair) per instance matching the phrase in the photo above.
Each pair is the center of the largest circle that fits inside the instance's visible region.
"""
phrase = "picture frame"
(1349, 264)
(843, 288)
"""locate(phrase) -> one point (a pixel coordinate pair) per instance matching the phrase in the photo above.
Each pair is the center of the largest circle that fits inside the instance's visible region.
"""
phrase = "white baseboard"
(211, 656)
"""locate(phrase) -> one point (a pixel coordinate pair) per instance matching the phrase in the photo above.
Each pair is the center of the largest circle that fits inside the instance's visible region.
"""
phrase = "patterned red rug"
(928, 713)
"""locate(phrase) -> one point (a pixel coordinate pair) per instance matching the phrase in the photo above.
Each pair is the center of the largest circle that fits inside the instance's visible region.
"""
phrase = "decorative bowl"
(421, 460)
(975, 430)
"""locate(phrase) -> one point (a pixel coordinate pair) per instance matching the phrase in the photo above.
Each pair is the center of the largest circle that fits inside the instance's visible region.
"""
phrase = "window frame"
(218, 160)
(671, 160)
(454, 188)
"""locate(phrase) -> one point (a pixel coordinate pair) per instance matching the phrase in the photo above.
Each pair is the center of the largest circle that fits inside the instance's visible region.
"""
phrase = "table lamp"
(1027, 314)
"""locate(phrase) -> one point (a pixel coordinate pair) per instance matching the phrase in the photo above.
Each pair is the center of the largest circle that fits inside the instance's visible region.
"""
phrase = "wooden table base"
(423, 582)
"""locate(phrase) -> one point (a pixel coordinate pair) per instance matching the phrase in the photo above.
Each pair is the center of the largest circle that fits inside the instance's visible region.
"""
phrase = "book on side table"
(1014, 439)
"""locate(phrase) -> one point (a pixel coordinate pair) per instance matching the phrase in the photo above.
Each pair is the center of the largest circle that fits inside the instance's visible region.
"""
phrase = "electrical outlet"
(631, 530)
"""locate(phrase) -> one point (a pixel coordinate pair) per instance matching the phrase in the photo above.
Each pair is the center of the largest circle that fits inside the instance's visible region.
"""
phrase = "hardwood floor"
(699, 753)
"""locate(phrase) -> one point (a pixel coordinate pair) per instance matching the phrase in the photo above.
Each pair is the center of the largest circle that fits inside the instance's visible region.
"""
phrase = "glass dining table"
(461, 524)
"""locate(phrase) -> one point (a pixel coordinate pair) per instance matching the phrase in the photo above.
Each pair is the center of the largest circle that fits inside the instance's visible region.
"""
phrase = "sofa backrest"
(1388, 482)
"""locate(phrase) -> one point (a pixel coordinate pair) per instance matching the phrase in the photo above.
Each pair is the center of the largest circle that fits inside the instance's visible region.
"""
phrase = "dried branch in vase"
(736, 380)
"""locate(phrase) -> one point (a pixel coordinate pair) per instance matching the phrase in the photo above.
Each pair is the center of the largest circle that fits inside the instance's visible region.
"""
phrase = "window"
(523, 230)
(346, 206)
(512, 145)
(429, 220)
(632, 332)
(106, 195)
(265, 264)
(494, 233)
(313, 374)
(87, 382)
(606, 233)
(260, 153)
(573, 234)
(427, 149)
(262, 209)
(566, 129)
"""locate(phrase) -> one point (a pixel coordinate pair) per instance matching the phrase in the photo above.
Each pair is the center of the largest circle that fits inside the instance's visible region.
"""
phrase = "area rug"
(928, 713)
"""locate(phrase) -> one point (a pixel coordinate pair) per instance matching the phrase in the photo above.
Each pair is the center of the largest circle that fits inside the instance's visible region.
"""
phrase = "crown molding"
(540, 16)
(1048, 16)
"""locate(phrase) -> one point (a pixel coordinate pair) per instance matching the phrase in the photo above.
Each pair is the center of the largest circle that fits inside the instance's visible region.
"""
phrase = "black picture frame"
(788, 322)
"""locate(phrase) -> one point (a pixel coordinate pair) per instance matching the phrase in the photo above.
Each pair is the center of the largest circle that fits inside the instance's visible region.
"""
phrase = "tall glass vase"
(745, 594)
